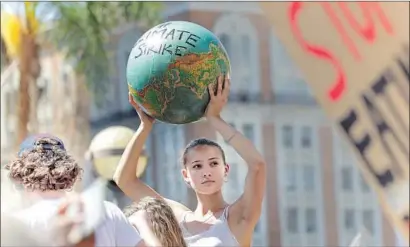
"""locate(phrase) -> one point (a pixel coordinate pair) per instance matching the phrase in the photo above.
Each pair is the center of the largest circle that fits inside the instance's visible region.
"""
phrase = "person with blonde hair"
(161, 220)
(214, 222)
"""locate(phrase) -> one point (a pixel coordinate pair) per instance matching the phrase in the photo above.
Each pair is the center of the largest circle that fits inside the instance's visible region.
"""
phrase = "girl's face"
(205, 170)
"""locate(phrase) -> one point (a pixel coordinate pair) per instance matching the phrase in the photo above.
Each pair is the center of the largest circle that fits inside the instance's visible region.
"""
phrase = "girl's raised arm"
(125, 176)
(247, 209)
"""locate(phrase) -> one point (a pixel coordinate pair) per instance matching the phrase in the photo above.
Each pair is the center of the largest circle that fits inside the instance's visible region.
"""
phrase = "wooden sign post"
(355, 57)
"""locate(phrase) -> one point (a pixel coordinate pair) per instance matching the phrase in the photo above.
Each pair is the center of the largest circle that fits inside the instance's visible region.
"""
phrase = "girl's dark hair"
(201, 142)
(45, 169)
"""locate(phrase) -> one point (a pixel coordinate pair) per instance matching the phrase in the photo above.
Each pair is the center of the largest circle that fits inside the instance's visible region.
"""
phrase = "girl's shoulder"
(179, 209)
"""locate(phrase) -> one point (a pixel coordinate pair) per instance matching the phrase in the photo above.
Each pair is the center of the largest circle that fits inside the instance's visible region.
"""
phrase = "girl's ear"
(227, 168)
(184, 173)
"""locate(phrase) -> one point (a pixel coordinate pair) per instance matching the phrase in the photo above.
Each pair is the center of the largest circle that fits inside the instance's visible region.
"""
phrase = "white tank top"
(218, 234)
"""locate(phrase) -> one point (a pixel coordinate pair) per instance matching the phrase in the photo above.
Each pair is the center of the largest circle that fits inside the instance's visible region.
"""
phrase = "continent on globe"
(170, 67)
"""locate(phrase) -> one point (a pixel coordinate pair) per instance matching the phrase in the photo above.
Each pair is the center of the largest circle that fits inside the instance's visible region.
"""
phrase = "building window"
(234, 175)
(349, 219)
(365, 187)
(292, 220)
(240, 40)
(291, 178)
(287, 136)
(246, 47)
(248, 131)
(306, 137)
(347, 181)
(226, 42)
(309, 178)
(311, 222)
(169, 147)
(286, 77)
(368, 220)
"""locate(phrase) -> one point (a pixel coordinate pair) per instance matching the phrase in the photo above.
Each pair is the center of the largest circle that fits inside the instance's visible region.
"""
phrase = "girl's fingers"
(227, 86)
(211, 90)
(220, 83)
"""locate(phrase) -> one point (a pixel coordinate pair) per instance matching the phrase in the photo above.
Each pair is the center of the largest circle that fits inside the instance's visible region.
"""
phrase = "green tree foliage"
(83, 31)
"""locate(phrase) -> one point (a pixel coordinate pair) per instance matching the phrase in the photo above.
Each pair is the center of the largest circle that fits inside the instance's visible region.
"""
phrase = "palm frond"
(5, 59)
(83, 31)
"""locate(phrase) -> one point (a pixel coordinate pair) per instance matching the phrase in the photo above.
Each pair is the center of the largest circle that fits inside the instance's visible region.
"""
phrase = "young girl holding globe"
(213, 222)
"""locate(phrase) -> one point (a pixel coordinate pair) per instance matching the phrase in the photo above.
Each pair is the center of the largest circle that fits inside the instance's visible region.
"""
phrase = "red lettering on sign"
(341, 30)
(338, 88)
(367, 29)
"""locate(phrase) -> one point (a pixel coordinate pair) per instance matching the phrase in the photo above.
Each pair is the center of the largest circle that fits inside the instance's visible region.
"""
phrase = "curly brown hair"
(163, 221)
(45, 167)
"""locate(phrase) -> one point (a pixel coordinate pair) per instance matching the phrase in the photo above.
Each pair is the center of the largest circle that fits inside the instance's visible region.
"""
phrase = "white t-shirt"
(115, 230)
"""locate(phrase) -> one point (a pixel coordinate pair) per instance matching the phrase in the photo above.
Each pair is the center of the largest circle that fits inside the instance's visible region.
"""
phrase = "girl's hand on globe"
(145, 119)
(218, 98)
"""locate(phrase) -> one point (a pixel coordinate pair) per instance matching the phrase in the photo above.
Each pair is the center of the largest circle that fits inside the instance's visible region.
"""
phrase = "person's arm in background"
(66, 227)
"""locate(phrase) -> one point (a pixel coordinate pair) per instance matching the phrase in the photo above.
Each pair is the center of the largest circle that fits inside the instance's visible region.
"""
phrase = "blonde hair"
(163, 221)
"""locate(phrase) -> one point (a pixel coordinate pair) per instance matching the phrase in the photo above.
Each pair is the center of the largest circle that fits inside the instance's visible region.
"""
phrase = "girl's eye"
(196, 166)
(214, 163)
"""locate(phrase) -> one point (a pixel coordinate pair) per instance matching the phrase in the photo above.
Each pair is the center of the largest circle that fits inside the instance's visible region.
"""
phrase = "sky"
(44, 11)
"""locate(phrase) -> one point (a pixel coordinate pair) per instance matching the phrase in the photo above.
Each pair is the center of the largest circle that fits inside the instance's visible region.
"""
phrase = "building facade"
(54, 98)
(315, 195)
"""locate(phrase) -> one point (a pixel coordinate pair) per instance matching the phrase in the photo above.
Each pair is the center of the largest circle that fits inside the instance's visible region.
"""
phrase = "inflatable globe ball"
(170, 67)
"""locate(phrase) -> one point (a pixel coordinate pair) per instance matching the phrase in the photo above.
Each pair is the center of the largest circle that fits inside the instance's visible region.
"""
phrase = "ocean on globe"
(170, 67)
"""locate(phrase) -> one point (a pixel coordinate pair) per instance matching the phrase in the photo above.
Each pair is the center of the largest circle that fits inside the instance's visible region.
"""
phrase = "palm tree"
(3, 52)
(19, 35)
(81, 31)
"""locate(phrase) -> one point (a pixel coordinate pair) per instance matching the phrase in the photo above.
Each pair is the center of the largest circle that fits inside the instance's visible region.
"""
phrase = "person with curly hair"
(44, 165)
(46, 172)
(162, 221)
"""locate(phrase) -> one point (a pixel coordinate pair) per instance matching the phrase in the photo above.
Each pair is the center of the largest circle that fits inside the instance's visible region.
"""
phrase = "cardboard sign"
(355, 57)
